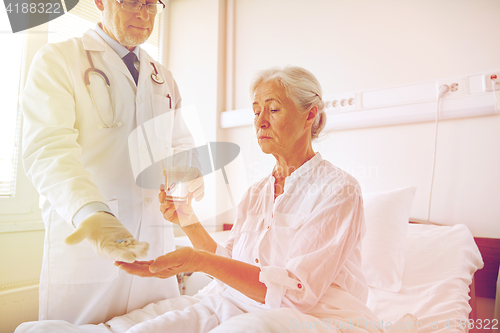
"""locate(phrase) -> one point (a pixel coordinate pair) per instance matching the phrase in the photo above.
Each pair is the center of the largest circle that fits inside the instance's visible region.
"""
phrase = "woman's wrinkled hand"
(178, 213)
(196, 186)
(182, 213)
(184, 260)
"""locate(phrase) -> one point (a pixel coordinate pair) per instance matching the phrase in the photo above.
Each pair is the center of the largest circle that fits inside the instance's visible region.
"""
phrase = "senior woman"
(294, 249)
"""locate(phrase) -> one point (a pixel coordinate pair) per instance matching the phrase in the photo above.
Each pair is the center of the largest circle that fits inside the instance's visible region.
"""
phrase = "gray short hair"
(302, 88)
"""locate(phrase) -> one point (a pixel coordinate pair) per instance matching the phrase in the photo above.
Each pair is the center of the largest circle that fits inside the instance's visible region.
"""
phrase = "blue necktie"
(129, 60)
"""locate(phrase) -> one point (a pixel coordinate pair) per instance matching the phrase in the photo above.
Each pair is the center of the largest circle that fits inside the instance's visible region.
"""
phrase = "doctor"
(79, 153)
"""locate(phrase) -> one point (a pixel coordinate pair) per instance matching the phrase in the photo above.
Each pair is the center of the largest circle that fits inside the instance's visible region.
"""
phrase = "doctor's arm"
(51, 153)
(52, 156)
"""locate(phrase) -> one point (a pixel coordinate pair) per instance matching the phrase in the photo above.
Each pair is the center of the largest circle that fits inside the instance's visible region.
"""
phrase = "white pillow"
(386, 215)
(440, 263)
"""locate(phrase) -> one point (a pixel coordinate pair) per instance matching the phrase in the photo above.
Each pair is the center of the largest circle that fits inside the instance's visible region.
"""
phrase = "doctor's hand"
(184, 260)
(109, 238)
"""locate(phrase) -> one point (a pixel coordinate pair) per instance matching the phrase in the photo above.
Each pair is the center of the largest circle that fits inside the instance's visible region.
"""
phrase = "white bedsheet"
(157, 318)
(440, 262)
(439, 265)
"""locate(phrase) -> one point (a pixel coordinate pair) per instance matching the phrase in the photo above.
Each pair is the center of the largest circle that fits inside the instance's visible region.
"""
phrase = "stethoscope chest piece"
(155, 77)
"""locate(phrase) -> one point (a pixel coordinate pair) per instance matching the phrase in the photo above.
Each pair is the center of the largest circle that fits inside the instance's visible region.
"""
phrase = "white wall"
(355, 45)
(193, 55)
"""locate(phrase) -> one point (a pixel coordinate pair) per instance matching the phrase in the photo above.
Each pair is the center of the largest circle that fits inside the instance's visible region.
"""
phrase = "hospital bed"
(418, 274)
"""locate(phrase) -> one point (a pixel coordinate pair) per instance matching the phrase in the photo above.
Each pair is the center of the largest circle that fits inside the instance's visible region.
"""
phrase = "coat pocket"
(293, 221)
(163, 118)
(283, 230)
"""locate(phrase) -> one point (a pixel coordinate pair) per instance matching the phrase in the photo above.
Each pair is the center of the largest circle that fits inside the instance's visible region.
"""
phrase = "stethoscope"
(94, 71)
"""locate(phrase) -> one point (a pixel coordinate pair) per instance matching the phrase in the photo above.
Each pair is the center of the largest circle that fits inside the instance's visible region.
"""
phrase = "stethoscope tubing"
(94, 71)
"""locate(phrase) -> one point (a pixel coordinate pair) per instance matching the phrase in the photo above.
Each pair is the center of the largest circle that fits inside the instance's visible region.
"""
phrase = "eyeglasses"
(135, 6)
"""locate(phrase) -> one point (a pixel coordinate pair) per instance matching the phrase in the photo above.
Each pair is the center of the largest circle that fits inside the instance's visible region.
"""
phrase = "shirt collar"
(308, 165)
(117, 47)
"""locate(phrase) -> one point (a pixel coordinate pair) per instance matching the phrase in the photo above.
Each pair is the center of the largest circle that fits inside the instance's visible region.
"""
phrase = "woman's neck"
(286, 165)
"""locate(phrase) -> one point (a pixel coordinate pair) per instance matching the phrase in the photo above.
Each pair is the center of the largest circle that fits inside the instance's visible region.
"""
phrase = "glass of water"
(175, 169)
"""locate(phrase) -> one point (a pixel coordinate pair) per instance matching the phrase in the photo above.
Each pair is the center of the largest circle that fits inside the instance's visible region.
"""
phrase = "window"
(18, 199)
(9, 86)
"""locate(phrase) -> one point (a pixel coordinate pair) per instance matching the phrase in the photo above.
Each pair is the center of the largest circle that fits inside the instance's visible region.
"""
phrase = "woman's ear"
(311, 115)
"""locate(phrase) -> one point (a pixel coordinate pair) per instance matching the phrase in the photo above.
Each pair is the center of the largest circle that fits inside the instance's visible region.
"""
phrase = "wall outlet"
(487, 81)
(341, 102)
(456, 87)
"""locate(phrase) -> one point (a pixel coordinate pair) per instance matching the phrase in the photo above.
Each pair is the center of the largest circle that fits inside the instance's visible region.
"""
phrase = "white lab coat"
(71, 162)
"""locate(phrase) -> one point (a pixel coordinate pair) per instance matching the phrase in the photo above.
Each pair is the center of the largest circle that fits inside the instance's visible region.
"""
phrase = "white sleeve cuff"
(277, 282)
(222, 251)
(90, 208)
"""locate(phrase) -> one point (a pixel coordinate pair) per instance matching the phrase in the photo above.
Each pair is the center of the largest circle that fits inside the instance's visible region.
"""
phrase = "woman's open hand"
(184, 260)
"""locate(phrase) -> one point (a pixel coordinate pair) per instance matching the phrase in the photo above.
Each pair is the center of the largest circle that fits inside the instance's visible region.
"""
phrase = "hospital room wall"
(193, 52)
(197, 57)
(358, 45)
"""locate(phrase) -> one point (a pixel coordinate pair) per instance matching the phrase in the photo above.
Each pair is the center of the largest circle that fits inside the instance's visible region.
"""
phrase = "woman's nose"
(261, 120)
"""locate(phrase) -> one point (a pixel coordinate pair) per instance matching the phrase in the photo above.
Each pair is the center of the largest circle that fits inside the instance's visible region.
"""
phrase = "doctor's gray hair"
(302, 88)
